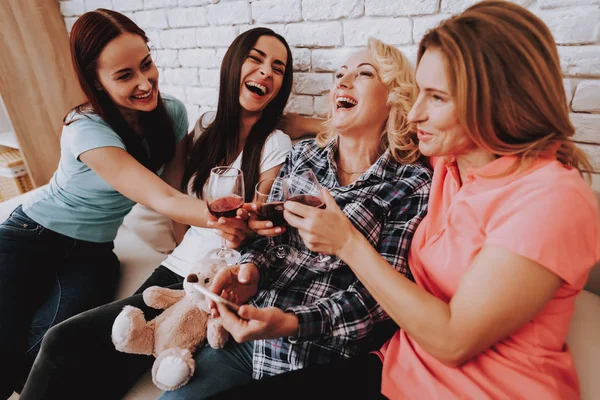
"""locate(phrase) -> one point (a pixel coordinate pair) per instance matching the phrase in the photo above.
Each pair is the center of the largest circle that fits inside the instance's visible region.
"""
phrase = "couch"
(138, 259)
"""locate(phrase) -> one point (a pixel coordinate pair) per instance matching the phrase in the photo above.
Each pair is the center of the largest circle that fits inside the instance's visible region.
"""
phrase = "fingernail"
(278, 230)
(210, 223)
(222, 221)
(269, 224)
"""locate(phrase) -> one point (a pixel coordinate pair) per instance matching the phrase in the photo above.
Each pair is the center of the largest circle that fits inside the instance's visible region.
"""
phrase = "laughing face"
(127, 73)
(358, 97)
(262, 74)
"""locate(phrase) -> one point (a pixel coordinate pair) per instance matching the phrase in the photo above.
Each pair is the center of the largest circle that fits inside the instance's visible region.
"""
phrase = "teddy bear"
(173, 336)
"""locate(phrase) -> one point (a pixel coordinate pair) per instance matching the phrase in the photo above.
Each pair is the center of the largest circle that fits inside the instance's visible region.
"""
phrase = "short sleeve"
(86, 134)
(275, 150)
(555, 226)
(178, 114)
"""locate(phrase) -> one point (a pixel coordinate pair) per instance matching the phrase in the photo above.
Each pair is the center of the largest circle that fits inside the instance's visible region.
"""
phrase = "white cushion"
(153, 228)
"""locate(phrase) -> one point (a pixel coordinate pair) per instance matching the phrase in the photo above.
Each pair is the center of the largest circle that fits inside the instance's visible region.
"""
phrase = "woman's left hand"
(234, 230)
(253, 323)
(324, 231)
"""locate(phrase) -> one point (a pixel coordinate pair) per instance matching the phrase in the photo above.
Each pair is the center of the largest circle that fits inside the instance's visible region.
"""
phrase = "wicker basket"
(14, 179)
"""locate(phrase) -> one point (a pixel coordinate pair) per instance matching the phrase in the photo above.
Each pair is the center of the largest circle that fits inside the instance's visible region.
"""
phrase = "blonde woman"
(509, 238)
(305, 313)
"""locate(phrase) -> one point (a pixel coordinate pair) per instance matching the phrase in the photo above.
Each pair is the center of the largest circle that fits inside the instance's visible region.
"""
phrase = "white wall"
(191, 37)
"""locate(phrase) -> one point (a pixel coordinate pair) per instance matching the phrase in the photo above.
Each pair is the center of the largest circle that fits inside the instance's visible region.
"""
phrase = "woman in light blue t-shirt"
(124, 145)
(255, 83)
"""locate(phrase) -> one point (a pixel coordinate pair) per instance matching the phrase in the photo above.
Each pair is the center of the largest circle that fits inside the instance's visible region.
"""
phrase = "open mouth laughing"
(345, 102)
(143, 96)
(256, 88)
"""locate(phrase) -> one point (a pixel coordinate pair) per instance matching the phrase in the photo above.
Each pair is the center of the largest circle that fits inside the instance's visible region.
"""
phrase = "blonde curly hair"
(398, 75)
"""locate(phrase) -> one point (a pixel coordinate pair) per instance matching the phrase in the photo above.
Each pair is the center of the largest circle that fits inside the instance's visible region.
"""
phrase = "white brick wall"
(190, 38)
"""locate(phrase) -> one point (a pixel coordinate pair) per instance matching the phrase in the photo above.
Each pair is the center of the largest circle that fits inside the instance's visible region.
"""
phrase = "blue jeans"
(45, 278)
(78, 354)
(216, 371)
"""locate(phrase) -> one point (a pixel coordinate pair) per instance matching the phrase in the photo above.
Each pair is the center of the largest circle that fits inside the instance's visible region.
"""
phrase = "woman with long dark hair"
(122, 146)
(255, 83)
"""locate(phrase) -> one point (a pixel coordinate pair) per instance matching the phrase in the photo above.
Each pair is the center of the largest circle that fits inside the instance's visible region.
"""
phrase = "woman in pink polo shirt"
(510, 236)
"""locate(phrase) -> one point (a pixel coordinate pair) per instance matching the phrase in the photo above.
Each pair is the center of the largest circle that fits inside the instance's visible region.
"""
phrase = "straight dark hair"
(89, 35)
(218, 144)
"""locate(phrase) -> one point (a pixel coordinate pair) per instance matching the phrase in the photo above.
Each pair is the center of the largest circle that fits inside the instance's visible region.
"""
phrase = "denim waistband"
(72, 242)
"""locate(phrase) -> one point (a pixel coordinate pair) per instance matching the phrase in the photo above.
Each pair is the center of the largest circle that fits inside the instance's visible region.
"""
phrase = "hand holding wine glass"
(326, 231)
(224, 196)
(304, 187)
(268, 208)
(269, 197)
(234, 230)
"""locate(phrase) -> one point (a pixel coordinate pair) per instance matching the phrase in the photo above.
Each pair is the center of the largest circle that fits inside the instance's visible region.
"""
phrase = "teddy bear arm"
(216, 334)
(162, 298)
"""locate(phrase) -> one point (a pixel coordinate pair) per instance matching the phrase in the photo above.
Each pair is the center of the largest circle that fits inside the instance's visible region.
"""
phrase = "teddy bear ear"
(192, 278)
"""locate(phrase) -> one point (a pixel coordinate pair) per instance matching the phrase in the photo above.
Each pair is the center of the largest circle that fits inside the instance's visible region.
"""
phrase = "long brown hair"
(89, 35)
(219, 143)
(505, 77)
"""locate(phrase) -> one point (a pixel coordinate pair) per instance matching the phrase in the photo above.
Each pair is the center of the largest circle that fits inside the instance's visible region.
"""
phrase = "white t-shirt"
(199, 241)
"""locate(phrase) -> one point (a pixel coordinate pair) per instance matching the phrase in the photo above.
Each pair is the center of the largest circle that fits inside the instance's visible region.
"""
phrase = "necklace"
(350, 173)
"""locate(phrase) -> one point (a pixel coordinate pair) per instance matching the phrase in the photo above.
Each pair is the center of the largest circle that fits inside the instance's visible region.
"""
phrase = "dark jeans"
(45, 278)
(358, 378)
(216, 370)
(78, 359)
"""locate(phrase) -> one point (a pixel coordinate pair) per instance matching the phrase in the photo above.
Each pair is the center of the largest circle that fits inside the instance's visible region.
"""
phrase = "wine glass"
(224, 196)
(269, 197)
(304, 187)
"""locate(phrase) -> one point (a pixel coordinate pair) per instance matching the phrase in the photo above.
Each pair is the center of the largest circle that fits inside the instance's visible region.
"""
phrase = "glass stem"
(223, 251)
(280, 251)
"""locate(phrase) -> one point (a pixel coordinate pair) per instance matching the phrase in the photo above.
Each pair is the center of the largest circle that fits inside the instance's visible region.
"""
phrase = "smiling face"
(358, 97)
(438, 128)
(262, 74)
(127, 73)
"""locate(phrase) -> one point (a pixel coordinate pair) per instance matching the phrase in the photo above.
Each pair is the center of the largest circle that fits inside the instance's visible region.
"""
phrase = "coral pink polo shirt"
(547, 214)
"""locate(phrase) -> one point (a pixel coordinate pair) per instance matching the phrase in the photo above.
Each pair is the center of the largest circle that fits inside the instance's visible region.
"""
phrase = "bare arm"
(126, 175)
(500, 292)
(270, 173)
(173, 175)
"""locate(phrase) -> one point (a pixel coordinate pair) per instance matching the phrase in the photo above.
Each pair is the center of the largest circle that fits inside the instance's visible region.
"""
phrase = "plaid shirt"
(337, 316)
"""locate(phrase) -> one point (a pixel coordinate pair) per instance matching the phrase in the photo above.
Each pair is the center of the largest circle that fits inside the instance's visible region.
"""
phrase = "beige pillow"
(152, 227)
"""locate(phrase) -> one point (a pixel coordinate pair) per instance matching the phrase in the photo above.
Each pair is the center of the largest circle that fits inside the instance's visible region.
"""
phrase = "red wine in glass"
(269, 197)
(271, 212)
(304, 187)
(224, 196)
(308, 200)
(226, 206)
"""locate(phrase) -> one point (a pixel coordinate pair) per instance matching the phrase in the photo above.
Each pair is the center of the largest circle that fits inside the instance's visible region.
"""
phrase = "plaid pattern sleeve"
(349, 315)
(337, 316)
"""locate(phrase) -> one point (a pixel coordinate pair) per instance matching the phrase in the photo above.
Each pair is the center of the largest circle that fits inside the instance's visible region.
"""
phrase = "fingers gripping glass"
(224, 196)
(304, 187)
(269, 197)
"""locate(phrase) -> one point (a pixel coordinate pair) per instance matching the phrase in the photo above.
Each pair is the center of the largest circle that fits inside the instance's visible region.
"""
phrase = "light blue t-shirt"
(77, 202)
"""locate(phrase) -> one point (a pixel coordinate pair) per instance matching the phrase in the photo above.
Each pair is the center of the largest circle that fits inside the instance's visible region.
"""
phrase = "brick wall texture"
(190, 38)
